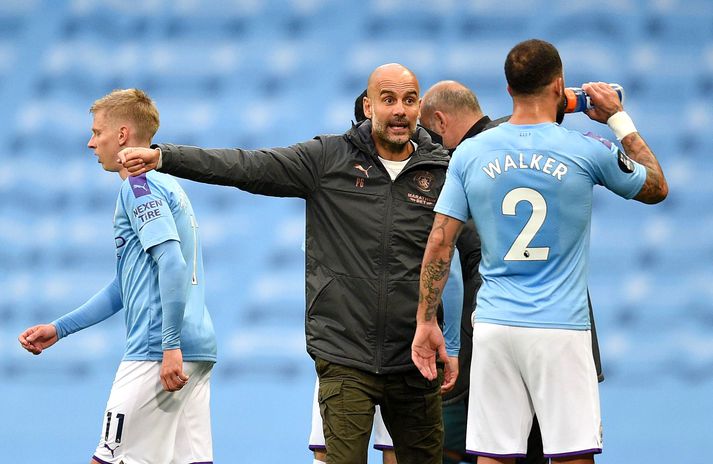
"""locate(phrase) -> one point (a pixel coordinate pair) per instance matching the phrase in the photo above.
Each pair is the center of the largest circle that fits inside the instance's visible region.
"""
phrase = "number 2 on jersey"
(520, 249)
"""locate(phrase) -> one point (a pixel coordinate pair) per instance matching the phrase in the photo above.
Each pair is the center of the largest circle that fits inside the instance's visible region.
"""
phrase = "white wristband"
(621, 124)
(160, 158)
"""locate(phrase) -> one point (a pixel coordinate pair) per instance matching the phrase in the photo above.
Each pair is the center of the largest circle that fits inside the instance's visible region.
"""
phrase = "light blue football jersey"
(151, 209)
(529, 191)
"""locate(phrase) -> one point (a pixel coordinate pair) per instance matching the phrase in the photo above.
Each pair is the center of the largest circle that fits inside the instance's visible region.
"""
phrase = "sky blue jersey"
(529, 191)
(151, 209)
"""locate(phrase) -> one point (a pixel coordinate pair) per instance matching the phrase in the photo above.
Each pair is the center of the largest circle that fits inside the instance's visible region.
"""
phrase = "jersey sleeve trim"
(450, 212)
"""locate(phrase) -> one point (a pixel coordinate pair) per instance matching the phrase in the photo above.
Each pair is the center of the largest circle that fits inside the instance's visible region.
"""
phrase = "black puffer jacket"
(365, 234)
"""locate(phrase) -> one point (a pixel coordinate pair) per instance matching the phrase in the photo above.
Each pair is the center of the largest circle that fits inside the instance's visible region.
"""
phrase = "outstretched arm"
(102, 305)
(293, 171)
(428, 339)
(609, 109)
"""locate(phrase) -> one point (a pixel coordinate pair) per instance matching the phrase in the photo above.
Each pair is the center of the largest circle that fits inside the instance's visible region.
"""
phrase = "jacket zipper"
(381, 311)
(384, 277)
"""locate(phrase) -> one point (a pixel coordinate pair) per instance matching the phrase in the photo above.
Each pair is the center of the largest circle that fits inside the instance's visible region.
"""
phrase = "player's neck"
(533, 111)
(123, 173)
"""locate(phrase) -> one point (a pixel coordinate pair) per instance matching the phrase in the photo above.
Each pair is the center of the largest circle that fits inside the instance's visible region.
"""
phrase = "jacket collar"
(427, 150)
(476, 128)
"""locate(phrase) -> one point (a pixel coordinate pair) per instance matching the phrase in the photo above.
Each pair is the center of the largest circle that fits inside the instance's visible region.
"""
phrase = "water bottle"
(577, 99)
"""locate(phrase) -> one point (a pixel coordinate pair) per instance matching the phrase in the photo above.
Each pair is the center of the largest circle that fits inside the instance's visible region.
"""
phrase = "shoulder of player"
(592, 140)
(151, 183)
(161, 179)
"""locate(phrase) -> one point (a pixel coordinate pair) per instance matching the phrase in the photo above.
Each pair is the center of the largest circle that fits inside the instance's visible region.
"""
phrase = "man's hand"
(448, 384)
(427, 342)
(37, 338)
(604, 99)
(172, 376)
(139, 160)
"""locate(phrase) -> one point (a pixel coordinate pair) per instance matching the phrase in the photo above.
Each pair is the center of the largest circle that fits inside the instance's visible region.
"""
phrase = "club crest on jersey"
(139, 185)
(604, 141)
(424, 181)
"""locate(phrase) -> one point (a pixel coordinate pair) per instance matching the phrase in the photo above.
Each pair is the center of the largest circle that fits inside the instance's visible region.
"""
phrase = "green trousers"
(410, 406)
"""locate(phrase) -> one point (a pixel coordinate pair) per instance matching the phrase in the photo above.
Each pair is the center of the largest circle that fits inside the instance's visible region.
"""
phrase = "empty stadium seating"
(270, 73)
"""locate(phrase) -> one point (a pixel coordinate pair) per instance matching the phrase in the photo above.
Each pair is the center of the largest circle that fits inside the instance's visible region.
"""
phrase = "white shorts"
(517, 372)
(143, 423)
(382, 439)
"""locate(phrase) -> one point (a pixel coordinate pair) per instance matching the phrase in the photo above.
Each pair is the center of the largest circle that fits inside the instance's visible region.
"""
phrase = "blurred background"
(255, 73)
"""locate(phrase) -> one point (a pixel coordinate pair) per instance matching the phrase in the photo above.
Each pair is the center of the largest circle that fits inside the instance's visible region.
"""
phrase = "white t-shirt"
(394, 168)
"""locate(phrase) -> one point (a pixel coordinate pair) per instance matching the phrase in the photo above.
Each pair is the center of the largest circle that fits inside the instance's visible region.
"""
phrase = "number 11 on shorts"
(119, 427)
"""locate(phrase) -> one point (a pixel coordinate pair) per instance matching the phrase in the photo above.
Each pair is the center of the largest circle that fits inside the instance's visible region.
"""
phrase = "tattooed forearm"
(652, 190)
(655, 187)
(436, 265)
(439, 235)
(432, 274)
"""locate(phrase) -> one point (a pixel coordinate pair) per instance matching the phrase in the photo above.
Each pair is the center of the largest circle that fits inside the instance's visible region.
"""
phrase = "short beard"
(391, 145)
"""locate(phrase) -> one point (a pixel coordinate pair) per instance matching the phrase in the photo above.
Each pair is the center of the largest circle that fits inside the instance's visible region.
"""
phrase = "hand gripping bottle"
(577, 99)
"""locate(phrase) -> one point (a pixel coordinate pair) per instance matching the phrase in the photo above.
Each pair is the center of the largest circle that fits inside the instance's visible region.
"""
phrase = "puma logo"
(359, 167)
(111, 450)
(140, 186)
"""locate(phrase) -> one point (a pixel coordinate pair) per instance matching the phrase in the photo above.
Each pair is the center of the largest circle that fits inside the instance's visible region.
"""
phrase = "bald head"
(449, 109)
(392, 103)
(450, 97)
(394, 73)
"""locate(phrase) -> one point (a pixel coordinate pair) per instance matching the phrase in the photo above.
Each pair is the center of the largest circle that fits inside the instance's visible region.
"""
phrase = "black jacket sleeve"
(468, 245)
(293, 171)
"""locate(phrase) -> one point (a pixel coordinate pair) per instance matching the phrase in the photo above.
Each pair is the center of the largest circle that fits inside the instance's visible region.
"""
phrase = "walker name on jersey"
(533, 161)
(148, 211)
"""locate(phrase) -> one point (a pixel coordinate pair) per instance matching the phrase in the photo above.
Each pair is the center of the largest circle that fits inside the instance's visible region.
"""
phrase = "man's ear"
(123, 135)
(367, 107)
(559, 86)
(441, 121)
